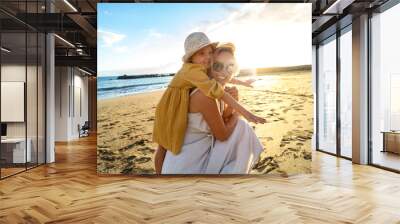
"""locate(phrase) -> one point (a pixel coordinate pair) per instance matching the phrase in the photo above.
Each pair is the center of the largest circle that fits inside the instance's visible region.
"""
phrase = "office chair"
(84, 130)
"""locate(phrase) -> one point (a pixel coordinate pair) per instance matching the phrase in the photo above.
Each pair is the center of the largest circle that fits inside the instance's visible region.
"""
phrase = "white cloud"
(110, 38)
(156, 53)
(156, 34)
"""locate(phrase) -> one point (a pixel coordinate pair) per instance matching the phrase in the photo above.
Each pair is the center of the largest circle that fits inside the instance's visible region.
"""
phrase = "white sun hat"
(194, 42)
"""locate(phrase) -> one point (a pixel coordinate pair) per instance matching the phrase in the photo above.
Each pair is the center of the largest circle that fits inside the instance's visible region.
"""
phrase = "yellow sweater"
(172, 111)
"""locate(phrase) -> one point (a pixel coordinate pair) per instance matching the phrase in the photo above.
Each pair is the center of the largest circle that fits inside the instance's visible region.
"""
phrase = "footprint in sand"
(140, 142)
(269, 138)
(127, 170)
(307, 155)
(293, 149)
(108, 157)
(143, 160)
(130, 158)
(266, 165)
(108, 166)
(147, 150)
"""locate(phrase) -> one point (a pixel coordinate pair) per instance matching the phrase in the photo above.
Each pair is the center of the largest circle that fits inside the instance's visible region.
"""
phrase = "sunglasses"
(222, 67)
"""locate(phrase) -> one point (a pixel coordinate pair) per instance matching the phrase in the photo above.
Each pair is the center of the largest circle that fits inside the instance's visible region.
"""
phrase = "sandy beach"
(284, 99)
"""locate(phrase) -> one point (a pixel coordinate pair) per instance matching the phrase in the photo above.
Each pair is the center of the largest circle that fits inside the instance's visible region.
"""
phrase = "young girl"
(172, 110)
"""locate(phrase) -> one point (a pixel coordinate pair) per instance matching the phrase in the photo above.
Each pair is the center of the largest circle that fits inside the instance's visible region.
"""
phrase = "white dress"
(201, 153)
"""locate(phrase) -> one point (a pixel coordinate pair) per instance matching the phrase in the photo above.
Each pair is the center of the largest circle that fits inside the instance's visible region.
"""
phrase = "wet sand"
(284, 99)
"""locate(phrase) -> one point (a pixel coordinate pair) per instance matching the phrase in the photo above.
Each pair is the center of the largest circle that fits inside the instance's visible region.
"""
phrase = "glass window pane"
(386, 89)
(346, 94)
(327, 97)
(13, 86)
(31, 98)
(22, 87)
(41, 98)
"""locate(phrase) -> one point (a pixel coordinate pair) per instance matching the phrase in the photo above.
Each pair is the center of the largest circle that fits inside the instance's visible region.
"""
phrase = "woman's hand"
(232, 120)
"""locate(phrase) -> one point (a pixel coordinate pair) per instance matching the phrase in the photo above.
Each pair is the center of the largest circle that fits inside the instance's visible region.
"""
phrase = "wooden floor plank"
(70, 191)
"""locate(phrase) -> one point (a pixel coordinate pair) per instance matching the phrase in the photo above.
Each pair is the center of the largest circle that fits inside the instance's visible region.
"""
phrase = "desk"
(15, 148)
(391, 141)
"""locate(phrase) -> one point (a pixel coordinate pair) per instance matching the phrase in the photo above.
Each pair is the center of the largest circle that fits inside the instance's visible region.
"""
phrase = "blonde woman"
(216, 141)
(171, 115)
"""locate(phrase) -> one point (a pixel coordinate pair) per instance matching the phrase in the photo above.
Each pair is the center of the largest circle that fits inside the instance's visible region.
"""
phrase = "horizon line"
(116, 73)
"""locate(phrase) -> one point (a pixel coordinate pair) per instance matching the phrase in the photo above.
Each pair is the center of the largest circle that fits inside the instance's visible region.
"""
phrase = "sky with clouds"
(147, 38)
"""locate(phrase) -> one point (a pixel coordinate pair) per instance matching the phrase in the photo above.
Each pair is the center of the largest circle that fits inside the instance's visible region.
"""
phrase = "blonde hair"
(220, 50)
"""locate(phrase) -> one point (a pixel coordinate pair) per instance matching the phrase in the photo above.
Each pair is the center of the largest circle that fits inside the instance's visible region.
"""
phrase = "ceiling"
(329, 16)
(73, 21)
(76, 22)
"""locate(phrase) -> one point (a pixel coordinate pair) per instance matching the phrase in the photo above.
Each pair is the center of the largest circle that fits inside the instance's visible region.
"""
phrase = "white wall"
(62, 80)
(70, 83)
(81, 89)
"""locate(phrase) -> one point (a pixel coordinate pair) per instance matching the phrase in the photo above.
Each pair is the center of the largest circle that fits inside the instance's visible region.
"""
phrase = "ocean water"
(110, 86)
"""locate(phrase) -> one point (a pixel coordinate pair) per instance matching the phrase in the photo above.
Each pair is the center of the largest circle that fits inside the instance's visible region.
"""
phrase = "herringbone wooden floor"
(70, 191)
